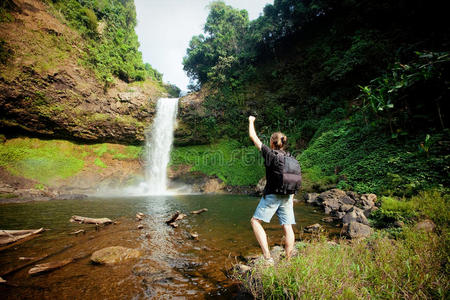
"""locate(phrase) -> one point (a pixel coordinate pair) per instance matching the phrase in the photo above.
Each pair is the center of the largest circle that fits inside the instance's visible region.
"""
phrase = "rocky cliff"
(46, 90)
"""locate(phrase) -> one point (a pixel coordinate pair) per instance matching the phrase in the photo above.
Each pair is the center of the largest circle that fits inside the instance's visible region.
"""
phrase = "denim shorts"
(280, 204)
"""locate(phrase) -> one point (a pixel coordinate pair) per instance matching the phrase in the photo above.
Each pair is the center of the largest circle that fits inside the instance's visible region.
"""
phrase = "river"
(172, 264)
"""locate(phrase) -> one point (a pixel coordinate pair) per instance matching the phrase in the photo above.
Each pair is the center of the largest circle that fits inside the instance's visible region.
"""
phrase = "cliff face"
(46, 90)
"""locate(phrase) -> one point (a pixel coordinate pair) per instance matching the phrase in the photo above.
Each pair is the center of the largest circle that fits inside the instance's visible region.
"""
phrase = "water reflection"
(172, 264)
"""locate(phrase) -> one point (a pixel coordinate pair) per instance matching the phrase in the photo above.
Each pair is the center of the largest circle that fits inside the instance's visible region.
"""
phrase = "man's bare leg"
(289, 240)
(260, 236)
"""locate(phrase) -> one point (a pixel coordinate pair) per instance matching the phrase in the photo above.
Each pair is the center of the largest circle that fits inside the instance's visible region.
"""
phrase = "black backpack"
(287, 170)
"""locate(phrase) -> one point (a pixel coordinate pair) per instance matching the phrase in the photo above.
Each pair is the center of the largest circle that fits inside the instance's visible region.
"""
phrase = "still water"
(172, 265)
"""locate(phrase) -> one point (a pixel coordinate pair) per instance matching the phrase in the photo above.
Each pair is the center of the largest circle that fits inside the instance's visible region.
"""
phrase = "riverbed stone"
(314, 228)
(114, 254)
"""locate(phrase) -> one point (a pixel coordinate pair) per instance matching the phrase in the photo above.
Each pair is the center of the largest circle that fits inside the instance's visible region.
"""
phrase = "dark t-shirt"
(272, 176)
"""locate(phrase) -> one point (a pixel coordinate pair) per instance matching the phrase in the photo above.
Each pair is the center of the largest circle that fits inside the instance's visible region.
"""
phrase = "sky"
(165, 28)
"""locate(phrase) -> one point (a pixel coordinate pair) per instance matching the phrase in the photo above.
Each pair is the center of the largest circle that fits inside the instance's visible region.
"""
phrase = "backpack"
(288, 172)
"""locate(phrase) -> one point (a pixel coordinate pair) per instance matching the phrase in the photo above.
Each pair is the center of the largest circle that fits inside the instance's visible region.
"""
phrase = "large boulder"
(113, 255)
(355, 230)
(355, 215)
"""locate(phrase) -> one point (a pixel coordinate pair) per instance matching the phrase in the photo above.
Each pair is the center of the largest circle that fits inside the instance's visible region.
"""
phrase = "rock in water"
(115, 254)
(311, 198)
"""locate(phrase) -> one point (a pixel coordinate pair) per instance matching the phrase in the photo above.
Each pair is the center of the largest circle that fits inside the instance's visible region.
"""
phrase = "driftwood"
(16, 269)
(84, 220)
(196, 212)
(78, 232)
(176, 217)
(139, 216)
(50, 266)
(12, 236)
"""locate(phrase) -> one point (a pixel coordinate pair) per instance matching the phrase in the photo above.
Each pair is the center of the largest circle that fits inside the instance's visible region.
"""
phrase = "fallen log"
(177, 216)
(50, 266)
(12, 236)
(85, 220)
(196, 212)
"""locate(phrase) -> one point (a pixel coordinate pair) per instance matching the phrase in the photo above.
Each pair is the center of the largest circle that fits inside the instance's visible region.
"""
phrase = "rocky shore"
(349, 208)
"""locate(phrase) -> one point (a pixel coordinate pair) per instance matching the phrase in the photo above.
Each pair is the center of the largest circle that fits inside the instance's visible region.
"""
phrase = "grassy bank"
(47, 160)
(227, 159)
(413, 265)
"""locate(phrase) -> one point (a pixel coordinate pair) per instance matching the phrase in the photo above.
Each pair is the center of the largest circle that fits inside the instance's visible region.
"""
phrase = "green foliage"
(38, 160)
(228, 160)
(49, 160)
(368, 160)
(99, 162)
(378, 267)
(209, 56)
(111, 42)
(432, 204)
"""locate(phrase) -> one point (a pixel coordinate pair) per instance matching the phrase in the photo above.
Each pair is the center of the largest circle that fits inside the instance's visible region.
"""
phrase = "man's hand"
(252, 132)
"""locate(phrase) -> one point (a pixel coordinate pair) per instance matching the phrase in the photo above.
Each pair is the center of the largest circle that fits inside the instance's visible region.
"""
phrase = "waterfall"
(158, 145)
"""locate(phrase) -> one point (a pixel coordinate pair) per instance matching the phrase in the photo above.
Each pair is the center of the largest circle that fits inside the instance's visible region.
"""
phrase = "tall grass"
(414, 267)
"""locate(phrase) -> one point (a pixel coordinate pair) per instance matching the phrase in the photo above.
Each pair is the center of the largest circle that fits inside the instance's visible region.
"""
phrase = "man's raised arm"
(252, 132)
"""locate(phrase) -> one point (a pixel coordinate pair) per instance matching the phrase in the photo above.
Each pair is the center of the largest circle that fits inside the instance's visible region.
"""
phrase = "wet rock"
(311, 198)
(355, 230)
(426, 225)
(355, 215)
(115, 254)
(315, 228)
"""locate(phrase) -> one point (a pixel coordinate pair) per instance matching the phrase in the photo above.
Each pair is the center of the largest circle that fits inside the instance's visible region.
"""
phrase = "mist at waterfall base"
(158, 144)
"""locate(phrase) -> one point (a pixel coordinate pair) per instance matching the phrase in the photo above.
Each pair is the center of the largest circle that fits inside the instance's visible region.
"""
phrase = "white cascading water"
(158, 145)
